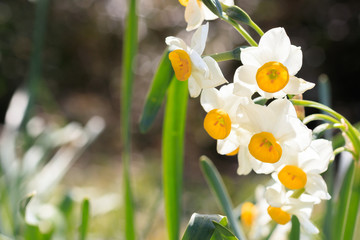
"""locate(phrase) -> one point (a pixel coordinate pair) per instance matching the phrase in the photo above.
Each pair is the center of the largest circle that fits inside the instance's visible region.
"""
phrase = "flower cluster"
(267, 138)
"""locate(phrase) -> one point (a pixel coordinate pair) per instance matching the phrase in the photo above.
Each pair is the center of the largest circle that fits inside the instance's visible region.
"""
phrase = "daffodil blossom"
(273, 132)
(213, 100)
(196, 12)
(188, 64)
(270, 68)
(282, 206)
(303, 169)
(254, 217)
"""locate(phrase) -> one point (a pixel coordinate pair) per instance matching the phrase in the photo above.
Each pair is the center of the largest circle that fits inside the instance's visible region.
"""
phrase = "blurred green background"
(82, 74)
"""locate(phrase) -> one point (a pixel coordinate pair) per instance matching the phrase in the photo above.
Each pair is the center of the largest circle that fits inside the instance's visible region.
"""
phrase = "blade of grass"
(157, 92)
(295, 229)
(173, 153)
(129, 52)
(85, 216)
(217, 185)
(34, 75)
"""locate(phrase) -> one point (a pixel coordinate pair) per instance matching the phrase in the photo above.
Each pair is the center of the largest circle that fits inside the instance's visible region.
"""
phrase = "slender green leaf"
(157, 92)
(3, 237)
(38, 38)
(173, 153)
(129, 52)
(222, 233)
(295, 228)
(347, 207)
(201, 226)
(24, 202)
(217, 186)
(85, 217)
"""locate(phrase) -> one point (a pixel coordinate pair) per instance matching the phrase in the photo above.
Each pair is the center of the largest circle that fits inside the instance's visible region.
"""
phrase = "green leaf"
(238, 14)
(156, 94)
(85, 217)
(214, 6)
(201, 226)
(217, 186)
(222, 233)
(3, 237)
(295, 229)
(173, 153)
(24, 202)
(129, 52)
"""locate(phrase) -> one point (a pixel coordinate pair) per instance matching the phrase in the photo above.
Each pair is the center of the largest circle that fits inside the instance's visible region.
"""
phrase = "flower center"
(292, 177)
(233, 152)
(272, 77)
(278, 215)
(181, 64)
(248, 213)
(185, 2)
(217, 124)
(264, 147)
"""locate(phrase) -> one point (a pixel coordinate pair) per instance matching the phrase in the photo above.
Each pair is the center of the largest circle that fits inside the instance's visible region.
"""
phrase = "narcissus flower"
(188, 64)
(302, 171)
(282, 206)
(270, 68)
(273, 132)
(196, 12)
(220, 122)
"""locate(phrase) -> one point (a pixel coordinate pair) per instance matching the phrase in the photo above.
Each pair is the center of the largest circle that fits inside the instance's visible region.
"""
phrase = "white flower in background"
(254, 217)
(283, 206)
(188, 64)
(273, 133)
(196, 12)
(220, 122)
(302, 171)
(270, 68)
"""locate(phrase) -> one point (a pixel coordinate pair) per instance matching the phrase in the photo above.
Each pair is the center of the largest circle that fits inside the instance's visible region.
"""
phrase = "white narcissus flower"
(273, 133)
(196, 12)
(302, 171)
(270, 68)
(188, 64)
(220, 122)
(283, 206)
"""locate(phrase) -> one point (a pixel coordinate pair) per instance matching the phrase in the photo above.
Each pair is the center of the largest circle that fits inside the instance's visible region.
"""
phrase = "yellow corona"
(264, 147)
(272, 77)
(217, 124)
(181, 63)
(292, 177)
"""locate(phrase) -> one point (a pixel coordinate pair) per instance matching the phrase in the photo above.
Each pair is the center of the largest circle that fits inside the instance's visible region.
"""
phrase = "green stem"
(297, 193)
(242, 31)
(324, 117)
(225, 56)
(256, 28)
(351, 132)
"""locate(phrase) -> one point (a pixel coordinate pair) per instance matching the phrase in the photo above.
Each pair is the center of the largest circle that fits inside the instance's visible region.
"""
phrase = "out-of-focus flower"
(273, 132)
(187, 62)
(303, 170)
(270, 68)
(196, 12)
(283, 206)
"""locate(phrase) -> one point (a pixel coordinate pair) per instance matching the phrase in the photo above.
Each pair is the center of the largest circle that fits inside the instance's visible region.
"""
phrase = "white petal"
(294, 60)
(315, 159)
(244, 84)
(316, 186)
(210, 99)
(303, 135)
(216, 77)
(243, 160)
(255, 56)
(278, 42)
(229, 144)
(198, 65)
(307, 225)
(198, 41)
(208, 14)
(297, 86)
(261, 167)
(194, 16)
(274, 195)
(175, 43)
(194, 88)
